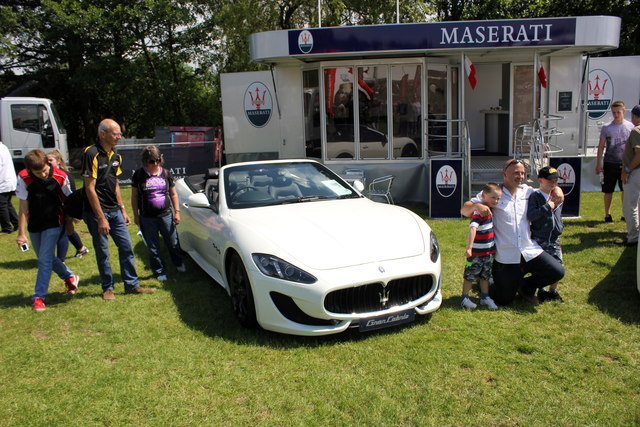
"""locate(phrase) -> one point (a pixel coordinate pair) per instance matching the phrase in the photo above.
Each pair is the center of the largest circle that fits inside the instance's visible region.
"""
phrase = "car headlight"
(435, 247)
(273, 266)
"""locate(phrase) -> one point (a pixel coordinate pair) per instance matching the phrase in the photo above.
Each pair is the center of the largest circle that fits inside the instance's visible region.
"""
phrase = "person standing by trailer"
(480, 250)
(104, 211)
(8, 180)
(156, 210)
(631, 179)
(42, 189)
(613, 136)
(55, 159)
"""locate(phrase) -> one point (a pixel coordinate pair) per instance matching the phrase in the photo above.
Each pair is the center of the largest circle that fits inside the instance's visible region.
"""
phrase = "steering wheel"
(239, 192)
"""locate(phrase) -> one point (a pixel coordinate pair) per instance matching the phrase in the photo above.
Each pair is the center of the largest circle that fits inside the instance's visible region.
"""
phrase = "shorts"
(553, 249)
(478, 267)
(611, 173)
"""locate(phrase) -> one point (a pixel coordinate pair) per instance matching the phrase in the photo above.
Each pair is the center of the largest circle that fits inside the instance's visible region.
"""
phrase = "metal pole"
(397, 11)
(463, 128)
(319, 14)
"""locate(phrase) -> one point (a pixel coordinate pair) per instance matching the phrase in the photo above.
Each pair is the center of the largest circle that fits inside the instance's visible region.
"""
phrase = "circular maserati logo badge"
(258, 104)
(600, 93)
(305, 41)
(566, 178)
(446, 181)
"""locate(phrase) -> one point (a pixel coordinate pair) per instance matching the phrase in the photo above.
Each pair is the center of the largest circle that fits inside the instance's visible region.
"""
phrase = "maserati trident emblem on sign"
(384, 296)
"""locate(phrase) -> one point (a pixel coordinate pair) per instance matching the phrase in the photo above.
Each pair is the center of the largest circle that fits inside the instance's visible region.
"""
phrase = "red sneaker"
(72, 284)
(38, 305)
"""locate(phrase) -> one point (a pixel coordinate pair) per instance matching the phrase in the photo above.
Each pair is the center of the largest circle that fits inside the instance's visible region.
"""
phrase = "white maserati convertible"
(301, 252)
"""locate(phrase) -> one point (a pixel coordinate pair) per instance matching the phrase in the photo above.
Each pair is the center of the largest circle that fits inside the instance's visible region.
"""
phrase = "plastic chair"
(381, 187)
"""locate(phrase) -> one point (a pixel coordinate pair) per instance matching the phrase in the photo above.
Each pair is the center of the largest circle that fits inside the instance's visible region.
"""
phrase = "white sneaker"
(489, 303)
(181, 268)
(467, 303)
(162, 278)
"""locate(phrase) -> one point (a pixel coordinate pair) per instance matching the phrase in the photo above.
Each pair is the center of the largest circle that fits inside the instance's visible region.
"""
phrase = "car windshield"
(254, 185)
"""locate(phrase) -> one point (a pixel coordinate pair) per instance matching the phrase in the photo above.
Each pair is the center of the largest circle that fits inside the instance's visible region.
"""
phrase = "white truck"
(29, 123)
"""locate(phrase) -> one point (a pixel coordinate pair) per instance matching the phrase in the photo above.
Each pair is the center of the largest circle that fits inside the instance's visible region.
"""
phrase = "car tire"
(241, 295)
(409, 150)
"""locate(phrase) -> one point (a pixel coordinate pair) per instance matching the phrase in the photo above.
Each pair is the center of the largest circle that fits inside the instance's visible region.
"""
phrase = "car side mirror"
(198, 200)
(358, 185)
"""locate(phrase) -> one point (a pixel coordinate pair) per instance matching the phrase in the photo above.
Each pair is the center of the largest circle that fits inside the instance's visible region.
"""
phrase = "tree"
(142, 63)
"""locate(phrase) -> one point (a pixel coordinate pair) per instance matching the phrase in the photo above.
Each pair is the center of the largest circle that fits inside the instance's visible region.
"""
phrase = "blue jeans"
(120, 235)
(44, 244)
(150, 227)
(63, 245)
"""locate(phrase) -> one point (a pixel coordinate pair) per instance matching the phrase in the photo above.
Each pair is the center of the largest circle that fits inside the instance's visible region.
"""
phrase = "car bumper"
(298, 309)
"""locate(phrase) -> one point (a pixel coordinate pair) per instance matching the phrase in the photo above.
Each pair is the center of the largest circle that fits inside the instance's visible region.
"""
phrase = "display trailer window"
(437, 108)
(25, 117)
(373, 112)
(407, 110)
(338, 93)
(311, 92)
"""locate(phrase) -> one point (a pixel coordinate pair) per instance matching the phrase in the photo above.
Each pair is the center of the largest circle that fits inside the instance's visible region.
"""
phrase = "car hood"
(335, 233)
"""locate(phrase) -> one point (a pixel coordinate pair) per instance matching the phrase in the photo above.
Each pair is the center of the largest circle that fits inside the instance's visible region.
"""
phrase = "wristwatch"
(123, 207)
(627, 170)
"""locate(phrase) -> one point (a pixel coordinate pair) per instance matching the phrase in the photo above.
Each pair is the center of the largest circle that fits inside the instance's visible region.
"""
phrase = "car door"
(199, 230)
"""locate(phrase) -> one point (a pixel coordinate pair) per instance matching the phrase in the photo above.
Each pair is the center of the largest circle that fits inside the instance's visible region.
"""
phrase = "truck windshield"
(56, 118)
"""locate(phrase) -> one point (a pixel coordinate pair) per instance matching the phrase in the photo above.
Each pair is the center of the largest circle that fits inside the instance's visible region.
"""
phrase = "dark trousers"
(8, 215)
(74, 238)
(508, 278)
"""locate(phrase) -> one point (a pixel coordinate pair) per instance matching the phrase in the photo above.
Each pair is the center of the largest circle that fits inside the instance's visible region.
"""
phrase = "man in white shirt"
(517, 254)
(631, 177)
(8, 180)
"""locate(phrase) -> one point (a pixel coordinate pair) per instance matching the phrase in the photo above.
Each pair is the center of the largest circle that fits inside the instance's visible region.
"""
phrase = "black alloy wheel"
(241, 295)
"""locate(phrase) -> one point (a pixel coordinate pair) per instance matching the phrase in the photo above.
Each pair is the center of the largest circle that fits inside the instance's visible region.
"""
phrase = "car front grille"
(374, 297)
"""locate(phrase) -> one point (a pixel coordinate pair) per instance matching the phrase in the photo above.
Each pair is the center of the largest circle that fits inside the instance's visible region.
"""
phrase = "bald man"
(104, 210)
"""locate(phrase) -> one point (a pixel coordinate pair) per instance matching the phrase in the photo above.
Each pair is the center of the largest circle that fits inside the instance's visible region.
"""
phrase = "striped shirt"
(483, 243)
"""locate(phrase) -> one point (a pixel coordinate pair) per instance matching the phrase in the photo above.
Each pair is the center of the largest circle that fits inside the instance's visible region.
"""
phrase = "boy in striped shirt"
(480, 250)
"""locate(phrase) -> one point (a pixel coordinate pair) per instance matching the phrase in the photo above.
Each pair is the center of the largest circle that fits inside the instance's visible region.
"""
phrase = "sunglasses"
(513, 162)
(153, 162)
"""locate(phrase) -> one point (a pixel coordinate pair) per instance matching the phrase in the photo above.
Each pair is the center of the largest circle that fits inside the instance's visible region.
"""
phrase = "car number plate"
(393, 319)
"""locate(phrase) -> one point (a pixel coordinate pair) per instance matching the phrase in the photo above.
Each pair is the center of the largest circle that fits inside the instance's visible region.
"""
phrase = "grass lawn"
(178, 357)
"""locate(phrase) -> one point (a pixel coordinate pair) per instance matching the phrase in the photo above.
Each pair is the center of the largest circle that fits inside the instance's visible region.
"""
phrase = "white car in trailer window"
(301, 252)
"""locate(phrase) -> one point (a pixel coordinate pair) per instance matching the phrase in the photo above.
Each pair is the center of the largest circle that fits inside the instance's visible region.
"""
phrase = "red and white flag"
(471, 72)
(541, 75)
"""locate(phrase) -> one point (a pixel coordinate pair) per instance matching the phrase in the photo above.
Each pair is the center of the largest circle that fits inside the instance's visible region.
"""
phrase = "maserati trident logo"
(305, 41)
(384, 296)
(446, 181)
(258, 104)
(600, 93)
(566, 178)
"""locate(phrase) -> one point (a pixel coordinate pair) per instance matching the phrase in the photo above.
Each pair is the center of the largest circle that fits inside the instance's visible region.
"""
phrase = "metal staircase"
(533, 142)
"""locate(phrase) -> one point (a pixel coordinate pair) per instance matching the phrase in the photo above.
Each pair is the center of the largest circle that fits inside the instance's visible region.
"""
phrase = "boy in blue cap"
(546, 224)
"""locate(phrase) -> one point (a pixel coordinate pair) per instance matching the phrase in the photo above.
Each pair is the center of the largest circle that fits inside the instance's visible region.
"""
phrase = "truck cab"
(29, 123)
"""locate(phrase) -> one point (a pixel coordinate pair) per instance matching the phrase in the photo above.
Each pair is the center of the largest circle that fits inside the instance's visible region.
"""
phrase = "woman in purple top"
(156, 210)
